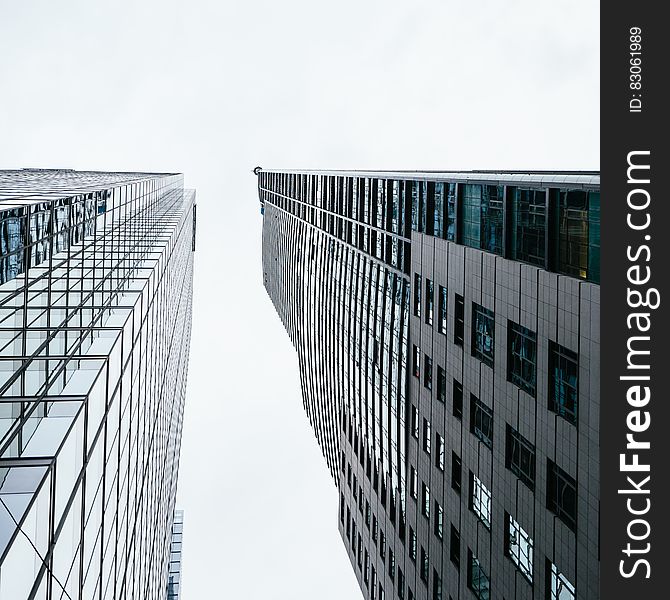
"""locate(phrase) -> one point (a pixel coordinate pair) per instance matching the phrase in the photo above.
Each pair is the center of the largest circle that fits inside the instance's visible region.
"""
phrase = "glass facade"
(369, 272)
(95, 305)
(174, 570)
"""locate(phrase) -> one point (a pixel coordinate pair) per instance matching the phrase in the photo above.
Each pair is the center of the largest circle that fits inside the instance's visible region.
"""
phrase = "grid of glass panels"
(377, 215)
(174, 570)
(95, 331)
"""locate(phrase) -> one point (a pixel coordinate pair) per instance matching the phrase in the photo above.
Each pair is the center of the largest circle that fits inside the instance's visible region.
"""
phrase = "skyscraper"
(95, 316)
(447, 331)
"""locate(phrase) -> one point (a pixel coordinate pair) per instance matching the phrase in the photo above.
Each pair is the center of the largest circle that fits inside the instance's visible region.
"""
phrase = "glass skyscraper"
(447, 331)
(95, 317)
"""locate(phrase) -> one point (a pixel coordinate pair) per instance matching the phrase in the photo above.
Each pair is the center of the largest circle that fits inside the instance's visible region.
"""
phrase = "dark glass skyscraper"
(95, 316)
(447, 330)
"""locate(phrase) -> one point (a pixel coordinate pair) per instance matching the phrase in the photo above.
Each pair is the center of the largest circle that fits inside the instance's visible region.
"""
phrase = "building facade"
(174, 574)
(447, 331)
(95, 316)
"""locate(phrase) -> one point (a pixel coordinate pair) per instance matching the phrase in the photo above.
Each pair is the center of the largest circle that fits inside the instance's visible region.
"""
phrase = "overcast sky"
(214, 88)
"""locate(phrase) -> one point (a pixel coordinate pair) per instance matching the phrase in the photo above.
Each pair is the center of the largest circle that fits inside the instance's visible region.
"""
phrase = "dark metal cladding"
(447, 329)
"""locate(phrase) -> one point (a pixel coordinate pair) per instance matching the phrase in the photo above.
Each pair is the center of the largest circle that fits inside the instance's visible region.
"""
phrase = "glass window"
(579, 234)
(563, 382)
(562, 494)
(455, 547)
(478, 580)
(560, 587)
(521, 356)
(437, 586)
(481, 420)
(439, 455)
(412, 544)
(424, 564)
(428, 372)
(519, 547)
(426, 436)
(391, 564)
(483, 327)
(480, 500)
(492, 218)
(439, 520)
(429, 302)
(416, 359)
(456, 472)
(425, 500)
(459, 320)
(415, 422)
(472, 202)
(417, 295)
(442, 310)
(413, 483)
(529, 225)
(441, 384)
(438, 227)
(520, 457)
(457, 397)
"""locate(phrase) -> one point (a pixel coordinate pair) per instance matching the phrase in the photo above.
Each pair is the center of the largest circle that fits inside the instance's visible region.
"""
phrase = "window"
(415, 422)
(424, 565)
(417, 295)
(391, 564)
(528, 226)
(374, 528)
(439, 455)
(579, 234)
(481, 420)
(441, 384)
(401, 584)
(563, 382)
(426, 436)
(368, 514)
(455, 472)
(455, 547)
(425, 500)
(437, 586)
(459, 320)
(429, 302)
(558, 584)
(562, 495)
(442, 310)
(382, 545)
(478, 580)
(416, 359)
(483, 327)
(480, 500)
(412, 544)
(457, 398)
(439, 521)
(483, 217)
(520, 457)
(366, 570)
(428, 372)
(519, 547)
(413, 482)
(521, 356)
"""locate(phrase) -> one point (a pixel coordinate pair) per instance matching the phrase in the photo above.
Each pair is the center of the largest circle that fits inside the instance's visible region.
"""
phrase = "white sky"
(214, 88)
